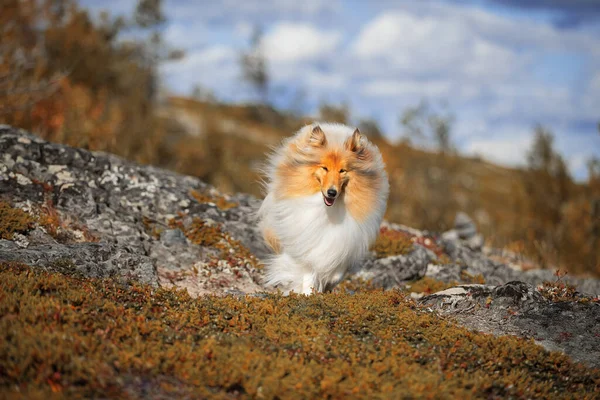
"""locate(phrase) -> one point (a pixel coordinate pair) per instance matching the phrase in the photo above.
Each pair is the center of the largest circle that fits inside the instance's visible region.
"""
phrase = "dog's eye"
(325, 168)
(342, 171)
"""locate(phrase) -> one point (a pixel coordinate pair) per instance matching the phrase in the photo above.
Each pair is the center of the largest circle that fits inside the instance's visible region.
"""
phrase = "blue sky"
(500, 66)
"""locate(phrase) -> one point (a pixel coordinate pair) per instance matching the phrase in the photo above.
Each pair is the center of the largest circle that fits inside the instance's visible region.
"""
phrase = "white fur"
(318, 243)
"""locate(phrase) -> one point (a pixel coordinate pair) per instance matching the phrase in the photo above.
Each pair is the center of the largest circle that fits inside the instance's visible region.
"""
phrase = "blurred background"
(491, 108)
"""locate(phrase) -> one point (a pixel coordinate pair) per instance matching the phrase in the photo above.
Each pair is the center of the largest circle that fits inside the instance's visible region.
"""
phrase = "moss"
(468, 278)
(14, 220)
(64, 266)
(207, 234)
(50, 220)
(429, 285)
(219, 201)
(78, 337)
(392, 243)
(151, 227)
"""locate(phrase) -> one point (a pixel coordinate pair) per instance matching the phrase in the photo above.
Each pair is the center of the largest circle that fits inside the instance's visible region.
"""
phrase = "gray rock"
(395, 271)
(517, 308)
(95, 260)
(496, 273)
(464, 226)
(127, 208)
(464, 232)
(172, 237)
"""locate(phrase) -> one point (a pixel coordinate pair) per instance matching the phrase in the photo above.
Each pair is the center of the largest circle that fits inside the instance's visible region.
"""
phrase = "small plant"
(391, 243)
(14, 220)
(559, 290)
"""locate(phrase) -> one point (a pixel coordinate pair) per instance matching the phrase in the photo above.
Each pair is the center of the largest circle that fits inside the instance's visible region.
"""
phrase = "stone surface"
(96, 260)
(395, 271)
(127, 208)
(517, 308)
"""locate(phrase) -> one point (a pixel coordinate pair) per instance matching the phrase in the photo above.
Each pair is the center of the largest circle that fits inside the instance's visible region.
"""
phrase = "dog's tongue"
(328, 201)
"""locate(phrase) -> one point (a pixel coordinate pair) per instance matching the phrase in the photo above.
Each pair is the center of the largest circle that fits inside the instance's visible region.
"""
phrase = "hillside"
(120, 279)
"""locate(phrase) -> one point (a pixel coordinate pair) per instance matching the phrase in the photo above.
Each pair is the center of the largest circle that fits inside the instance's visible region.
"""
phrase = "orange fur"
(341, 168)
(272, 240)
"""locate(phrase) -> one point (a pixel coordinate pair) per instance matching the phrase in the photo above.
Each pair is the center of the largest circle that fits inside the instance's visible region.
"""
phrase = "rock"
(395, 271)
(464, 226)
(517, 308)
(476, 263)
(464, 231)
(95, 260)
(127, 209)
(171, 237)
(114, 218)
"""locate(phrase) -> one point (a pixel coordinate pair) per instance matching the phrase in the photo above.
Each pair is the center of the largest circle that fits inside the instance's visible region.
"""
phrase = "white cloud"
(213, 67)
(256, 11)
(291, 42)
(433, 44)
(185, 36)
(509, 150)
(326, 81)
(407, 88)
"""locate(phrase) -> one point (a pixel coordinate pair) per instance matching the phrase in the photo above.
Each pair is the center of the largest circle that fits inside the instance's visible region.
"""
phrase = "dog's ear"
(355, 142)
(317, 137)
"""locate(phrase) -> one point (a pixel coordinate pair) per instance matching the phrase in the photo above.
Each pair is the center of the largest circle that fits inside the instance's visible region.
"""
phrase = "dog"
(326, 194)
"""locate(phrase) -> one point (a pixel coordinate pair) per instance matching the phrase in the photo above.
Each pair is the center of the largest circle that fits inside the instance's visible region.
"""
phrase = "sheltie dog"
(326, 193)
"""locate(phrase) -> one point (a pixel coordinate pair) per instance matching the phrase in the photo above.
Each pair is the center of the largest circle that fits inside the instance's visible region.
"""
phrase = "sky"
(499, 66)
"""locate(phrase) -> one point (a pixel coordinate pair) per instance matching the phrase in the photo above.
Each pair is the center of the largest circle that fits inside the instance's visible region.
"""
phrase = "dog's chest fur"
(326, 238)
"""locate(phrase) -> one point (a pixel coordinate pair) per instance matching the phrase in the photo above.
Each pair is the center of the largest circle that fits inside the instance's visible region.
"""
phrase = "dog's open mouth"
(328, 200)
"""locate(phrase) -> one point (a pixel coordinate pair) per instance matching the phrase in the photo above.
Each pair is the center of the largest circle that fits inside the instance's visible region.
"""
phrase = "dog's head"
(335, 165)
(334, 160)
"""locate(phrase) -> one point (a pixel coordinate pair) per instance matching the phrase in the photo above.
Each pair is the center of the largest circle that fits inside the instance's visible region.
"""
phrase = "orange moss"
(391, 243)
(14, 220)
(151, 227)
(219, 201)
(211, 235)
(468, 278)
(429, 285)
(77, 337)
(50, 220)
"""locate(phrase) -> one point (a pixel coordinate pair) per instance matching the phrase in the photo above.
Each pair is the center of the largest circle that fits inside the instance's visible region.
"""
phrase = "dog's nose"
(331, 192)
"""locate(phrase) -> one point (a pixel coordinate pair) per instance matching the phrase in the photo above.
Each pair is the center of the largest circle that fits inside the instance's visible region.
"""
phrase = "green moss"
(392, 243)
(14, 220)
(95, 338)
